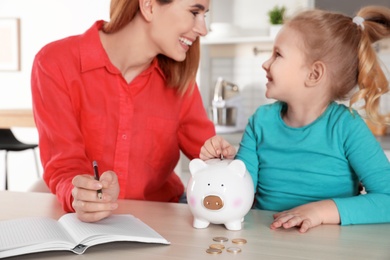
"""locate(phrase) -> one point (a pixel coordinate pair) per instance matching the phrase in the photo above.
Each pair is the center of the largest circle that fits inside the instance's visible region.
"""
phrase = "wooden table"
(16, 118)
(174, 222)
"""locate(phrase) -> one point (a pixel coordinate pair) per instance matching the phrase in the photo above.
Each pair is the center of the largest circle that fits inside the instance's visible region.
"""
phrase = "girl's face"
(177, 25)
(287, 68)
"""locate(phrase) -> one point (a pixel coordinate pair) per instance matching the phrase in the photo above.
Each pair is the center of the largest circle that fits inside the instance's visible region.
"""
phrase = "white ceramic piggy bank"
(219, 192)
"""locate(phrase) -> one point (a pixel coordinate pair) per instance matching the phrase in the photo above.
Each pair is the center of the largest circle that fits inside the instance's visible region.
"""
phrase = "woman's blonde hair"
(180, 75)
(346, 48)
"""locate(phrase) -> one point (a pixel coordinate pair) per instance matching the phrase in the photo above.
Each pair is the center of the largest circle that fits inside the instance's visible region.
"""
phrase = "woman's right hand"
(87, 205)
(217, 147)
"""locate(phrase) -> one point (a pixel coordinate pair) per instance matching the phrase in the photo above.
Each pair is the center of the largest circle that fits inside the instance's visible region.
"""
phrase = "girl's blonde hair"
(180, 75)
(346, 49)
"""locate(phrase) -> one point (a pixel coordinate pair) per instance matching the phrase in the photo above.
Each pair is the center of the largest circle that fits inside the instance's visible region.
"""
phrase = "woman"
(123, 94)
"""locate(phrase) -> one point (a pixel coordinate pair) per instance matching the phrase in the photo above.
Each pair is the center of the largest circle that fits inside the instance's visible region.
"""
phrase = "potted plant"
(276, 17)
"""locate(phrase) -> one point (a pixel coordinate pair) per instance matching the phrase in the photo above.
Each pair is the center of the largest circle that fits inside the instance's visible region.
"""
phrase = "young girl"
(306, 153)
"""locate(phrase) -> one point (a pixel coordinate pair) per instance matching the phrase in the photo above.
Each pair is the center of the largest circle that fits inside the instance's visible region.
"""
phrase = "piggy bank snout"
(213, 202)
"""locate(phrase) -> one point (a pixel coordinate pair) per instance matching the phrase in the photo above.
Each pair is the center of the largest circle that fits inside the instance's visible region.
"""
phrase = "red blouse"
(85, 110)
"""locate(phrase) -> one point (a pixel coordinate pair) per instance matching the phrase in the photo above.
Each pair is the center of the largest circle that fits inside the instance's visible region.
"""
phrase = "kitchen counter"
(16, 118)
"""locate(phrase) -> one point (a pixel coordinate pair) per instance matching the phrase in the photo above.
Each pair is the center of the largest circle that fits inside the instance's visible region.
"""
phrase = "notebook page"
(113, 228)
(17, 233)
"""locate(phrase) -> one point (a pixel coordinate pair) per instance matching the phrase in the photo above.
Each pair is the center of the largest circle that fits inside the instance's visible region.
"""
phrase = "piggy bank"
(219, 192)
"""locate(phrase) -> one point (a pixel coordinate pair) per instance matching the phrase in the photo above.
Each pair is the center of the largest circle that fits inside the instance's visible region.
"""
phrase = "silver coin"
(220, 239)
(234, 250)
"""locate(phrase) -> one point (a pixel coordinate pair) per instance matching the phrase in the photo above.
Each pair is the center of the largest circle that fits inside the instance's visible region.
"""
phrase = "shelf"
(213, 40)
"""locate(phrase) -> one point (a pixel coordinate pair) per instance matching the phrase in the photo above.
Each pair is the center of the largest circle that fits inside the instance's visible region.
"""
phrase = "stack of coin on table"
(218, 248)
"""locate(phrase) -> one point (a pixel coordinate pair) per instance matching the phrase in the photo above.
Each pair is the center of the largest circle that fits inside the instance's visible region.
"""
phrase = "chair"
(8, 142)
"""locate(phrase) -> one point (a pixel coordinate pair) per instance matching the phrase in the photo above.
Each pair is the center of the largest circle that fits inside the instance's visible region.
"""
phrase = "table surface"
(16, 118)
(174, 222)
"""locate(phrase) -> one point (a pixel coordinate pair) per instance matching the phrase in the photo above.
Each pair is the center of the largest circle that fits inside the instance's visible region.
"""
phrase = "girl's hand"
(215, 147)
(88, 207)
(307, 216)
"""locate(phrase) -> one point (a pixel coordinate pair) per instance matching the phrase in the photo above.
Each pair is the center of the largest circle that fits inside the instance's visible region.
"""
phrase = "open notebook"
(39, 234)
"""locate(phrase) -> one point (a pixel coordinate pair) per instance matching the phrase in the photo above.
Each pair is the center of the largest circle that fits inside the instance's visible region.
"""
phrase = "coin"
(213, 251)
(234, 250)
(220, 239)
(239, 241)
(217, 246)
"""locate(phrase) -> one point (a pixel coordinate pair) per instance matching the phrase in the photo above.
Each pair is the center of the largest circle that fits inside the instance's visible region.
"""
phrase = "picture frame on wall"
(9, 44)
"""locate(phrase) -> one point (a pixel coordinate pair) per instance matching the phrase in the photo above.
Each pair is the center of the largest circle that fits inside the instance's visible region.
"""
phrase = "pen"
(96, 172)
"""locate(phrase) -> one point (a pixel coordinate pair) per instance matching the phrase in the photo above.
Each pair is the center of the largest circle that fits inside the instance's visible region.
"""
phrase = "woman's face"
(177, 25)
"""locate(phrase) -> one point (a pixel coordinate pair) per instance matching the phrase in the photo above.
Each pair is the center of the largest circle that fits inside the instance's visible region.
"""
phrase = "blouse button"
(124, 137)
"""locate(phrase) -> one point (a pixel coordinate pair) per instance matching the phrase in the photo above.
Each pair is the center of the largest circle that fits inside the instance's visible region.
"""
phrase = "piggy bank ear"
(238, 167)
(197, 165)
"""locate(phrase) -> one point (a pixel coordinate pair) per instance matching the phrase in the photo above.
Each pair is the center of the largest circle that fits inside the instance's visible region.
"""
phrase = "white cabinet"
(247, 15)
(347, 6)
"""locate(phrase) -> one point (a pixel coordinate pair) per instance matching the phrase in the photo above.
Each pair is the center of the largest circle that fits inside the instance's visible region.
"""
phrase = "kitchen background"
(234, 50)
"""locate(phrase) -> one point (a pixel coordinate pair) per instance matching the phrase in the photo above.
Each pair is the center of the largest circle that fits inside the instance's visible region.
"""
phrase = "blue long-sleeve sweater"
(323, 160)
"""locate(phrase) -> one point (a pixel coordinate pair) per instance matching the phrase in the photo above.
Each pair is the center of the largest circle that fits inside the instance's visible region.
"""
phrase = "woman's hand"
(307, 216)
(88, 207)
(215, 147)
